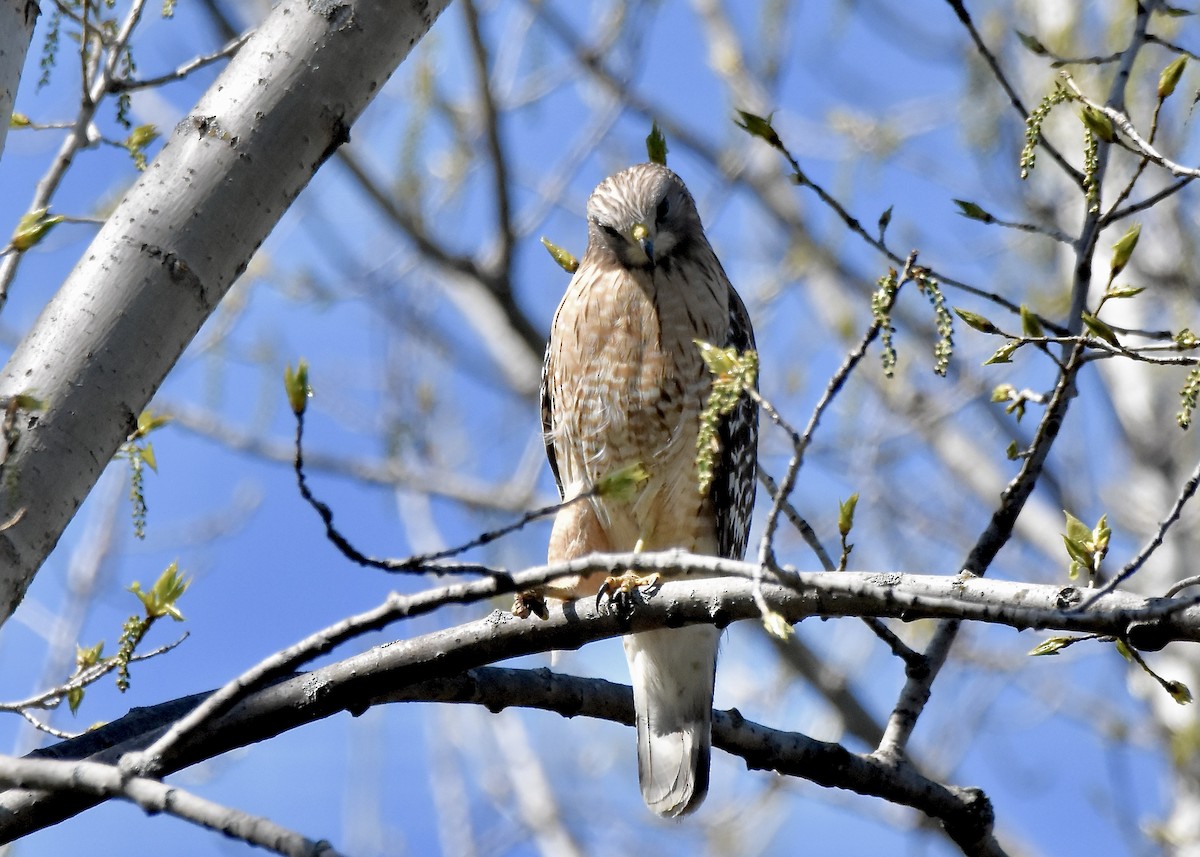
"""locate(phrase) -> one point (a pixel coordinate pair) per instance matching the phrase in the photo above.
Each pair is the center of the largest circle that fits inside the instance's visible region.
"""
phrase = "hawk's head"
(644, 216)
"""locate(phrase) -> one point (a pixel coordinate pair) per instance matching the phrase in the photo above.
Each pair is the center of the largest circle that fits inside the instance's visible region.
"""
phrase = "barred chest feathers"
(639, 380)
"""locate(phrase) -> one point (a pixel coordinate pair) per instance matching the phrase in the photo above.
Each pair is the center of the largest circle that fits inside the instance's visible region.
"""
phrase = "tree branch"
(105, 781)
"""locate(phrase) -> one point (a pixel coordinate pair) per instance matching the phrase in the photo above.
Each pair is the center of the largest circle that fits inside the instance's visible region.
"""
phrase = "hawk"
(624, 384)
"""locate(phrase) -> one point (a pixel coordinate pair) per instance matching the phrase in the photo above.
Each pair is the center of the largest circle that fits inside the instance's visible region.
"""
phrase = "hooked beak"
(642, 236)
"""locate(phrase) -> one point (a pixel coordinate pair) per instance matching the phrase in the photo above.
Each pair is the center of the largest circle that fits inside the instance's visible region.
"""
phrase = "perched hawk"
(624, 384)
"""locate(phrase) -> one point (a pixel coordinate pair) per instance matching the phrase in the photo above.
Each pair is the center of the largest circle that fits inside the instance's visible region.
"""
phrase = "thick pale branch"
(17, 18)
(965, 813)
(356, 683)
(687, 602)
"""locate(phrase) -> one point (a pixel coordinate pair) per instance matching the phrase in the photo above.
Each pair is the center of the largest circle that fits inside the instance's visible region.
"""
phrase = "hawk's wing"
(736, 475)
(548, 416)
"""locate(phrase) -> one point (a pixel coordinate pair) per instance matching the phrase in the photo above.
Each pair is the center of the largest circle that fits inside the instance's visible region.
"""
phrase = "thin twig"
(420, 563)
(961, 11)
(1147, 203)
(490, 118)
(185, 69)
(797, 521)
(90, 675)
(800, 441)
(96, 79)
(1126, 126)
(1182, 585)
(1131, 567)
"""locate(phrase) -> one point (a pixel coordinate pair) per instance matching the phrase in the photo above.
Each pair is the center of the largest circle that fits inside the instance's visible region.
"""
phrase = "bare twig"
(513, 496)
(800, 441)
(420, 563)
(185, 69)
(1185, 494)
(106, 781)
(498, 160)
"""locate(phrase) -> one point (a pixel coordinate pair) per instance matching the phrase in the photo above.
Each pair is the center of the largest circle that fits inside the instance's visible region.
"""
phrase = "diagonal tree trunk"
(169, 253)
(17, 18)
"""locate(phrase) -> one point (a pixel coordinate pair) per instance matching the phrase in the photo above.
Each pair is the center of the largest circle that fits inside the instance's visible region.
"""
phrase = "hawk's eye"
(661, 214)
(610, 231)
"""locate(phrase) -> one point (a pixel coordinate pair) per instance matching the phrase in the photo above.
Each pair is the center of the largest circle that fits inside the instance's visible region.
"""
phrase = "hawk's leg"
(577, 532)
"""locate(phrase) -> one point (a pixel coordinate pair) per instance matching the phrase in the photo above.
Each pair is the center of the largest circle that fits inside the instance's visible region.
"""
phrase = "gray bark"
(17, 18)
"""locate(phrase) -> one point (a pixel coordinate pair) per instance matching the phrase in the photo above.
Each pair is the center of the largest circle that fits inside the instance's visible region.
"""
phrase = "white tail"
(672, 674)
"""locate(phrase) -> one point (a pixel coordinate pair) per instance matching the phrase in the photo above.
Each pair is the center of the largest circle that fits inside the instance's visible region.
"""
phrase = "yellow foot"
(621, 591)
(533, 602)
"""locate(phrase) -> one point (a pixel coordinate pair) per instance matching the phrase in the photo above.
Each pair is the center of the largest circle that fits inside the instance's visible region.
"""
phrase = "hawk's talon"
(621, 591)
(528, 602)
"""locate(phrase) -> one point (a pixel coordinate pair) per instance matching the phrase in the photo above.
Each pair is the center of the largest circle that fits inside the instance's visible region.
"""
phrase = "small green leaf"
(88, 657)
(656, 145)
(27, 402)
(1078, 552)
(1003, 392)
(160, 600)
(32, 228)
(1100, 329)
(1052, 646)
(1032, 44)
(720, 361)
(1123, 249)
(137, 141)
(148, 421)
(1125, 292)
(1124, 652)
(759, 126)
(1077, 529)
(147, 454)
(777, 626)
(846, 514)
(1012, 451)
(976, 321)
(1098, 123)
(141, 136)
(19, 120)
(1101, 534)
(295, 383)
(622, 484)
(972, 211)
(75, 699)
(1031, 325)
(885, 220)
(1003, 354)
(1169, 79)
(1179, 692)
(564, 259)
